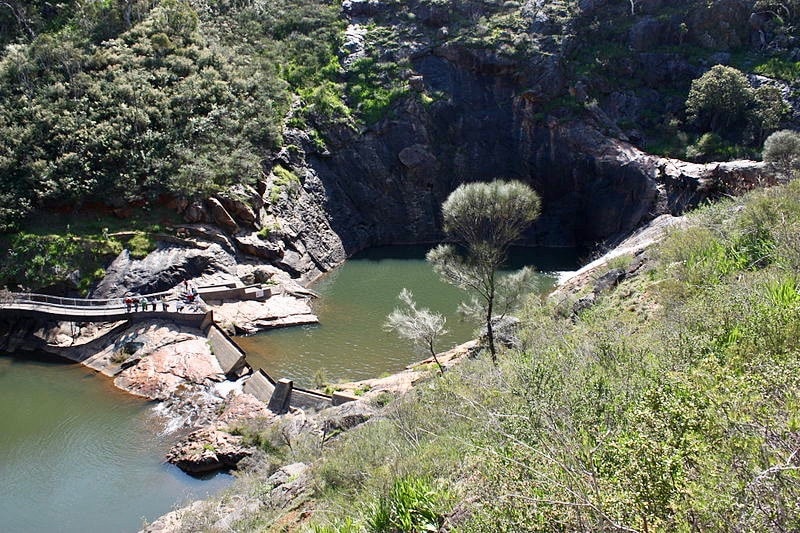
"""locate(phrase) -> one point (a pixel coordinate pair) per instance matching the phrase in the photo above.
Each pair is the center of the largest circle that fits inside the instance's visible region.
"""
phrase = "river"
(78, 455)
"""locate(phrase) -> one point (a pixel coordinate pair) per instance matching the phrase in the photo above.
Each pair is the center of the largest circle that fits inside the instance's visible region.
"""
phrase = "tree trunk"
(433, 353)
(489, 329)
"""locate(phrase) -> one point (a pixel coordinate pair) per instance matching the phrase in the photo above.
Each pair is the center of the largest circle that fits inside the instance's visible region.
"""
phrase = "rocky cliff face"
(473, 113)
(536, 104)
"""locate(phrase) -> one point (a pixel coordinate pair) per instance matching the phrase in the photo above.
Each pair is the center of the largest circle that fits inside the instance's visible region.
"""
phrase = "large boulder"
(163, 269)
(252, 244)
(158, 374)
(252, 316)
(416, 156)
(241, 202)
(208, 449)
(345, 416)
(221, 216)
(196, 212)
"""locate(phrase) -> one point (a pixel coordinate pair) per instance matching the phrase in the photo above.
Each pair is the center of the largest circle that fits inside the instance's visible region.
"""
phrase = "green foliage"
(140, 245)
(485, 218)
(325, 104)
(372, 87)
(783, 292)
(34, 261)
(411, 505)
(711, 147)
(126, 101)
(285, 181)
(346, 525)
(686, 418)
(493, 214)
(782, 149)
(722, 102)
(420, 326)
(719, 98)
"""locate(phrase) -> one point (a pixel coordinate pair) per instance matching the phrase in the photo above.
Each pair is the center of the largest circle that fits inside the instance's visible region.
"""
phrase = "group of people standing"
(188, 296)
(133, 302)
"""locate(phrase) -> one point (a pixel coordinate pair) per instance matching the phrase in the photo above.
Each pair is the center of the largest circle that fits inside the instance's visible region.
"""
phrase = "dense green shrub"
(782, 150)
(181, 97)
(412, 504)
(723, 102)
(34, 261)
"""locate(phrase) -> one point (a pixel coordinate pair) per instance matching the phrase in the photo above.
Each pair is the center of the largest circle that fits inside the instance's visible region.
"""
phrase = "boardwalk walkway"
(92, 310)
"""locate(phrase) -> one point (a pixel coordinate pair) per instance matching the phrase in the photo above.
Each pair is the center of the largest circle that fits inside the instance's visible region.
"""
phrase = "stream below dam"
(78, 455)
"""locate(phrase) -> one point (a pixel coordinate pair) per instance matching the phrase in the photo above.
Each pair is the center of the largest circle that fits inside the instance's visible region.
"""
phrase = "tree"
(719, 98)
(421, 326)
(484, 219)
(768, 110)
(782, 150)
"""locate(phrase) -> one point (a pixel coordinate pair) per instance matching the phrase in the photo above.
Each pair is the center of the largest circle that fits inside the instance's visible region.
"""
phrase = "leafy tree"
(767, 112)
(719, 98)
(421, 326)
(722, 102)
(782, 150)
(484, 219)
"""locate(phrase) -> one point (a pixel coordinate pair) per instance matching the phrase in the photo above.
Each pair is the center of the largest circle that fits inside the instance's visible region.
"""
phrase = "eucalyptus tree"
(482, 220)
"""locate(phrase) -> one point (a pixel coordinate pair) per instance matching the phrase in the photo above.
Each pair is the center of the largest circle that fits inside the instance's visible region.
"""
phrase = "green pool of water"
(350, 343)
(78, 455)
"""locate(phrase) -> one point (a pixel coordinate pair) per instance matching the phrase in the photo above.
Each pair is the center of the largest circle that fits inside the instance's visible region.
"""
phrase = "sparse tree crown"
(490, 214)
(420, 326)
(485, 218)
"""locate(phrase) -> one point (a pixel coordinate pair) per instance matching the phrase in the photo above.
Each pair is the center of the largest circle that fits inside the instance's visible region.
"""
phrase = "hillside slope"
(669, 402)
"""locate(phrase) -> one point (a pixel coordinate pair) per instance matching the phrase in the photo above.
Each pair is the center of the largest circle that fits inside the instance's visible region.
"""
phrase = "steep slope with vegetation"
(670, 405)
(117, 103)
(305, 129)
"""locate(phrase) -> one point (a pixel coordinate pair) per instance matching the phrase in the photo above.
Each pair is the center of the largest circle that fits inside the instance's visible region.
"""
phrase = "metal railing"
(11, 298)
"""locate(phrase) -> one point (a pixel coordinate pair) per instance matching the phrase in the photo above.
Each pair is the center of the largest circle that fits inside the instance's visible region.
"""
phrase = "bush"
(140, 245)
(782, 150)
(411, 505)
(709, 147)
(722, 102)
(184, 99)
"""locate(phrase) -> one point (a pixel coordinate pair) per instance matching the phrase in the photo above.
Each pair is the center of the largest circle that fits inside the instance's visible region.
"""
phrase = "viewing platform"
(94, 310)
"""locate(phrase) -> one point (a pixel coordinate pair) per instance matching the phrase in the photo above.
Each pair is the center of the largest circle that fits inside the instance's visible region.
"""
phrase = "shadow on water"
(37, 358)
(544, 258)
